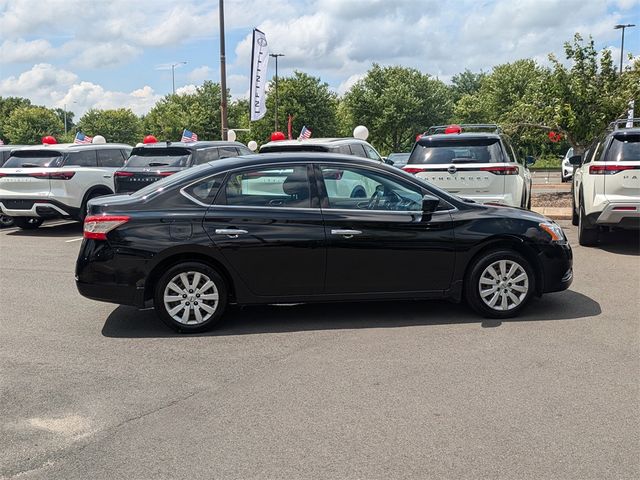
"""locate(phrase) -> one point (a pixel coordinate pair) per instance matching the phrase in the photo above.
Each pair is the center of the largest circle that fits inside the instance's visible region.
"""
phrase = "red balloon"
(149, 139)
(419, 136)
(49, 140)
(453, 129)
(276, 136)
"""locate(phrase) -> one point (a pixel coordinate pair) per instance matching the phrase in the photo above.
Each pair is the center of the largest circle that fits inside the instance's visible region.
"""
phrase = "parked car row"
(606, 183)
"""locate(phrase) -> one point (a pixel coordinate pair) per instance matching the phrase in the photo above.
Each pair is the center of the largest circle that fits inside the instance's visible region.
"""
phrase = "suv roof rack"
(476, 127)
(618, 124)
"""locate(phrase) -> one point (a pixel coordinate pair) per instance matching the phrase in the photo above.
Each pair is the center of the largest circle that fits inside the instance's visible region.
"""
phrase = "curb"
(554, 213)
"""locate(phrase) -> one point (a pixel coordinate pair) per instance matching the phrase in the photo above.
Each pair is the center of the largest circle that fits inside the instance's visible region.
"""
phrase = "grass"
(550, 162)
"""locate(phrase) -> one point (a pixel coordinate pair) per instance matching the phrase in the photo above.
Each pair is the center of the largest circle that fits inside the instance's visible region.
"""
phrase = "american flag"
(188, 136)
(82, 138)
(304, 133)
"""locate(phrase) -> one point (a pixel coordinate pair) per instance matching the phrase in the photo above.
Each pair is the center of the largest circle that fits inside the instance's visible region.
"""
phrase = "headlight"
(554, 230)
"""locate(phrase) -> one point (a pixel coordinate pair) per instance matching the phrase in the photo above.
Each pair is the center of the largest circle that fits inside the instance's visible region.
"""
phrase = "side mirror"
(576, 160)
(429, 204)
(529, 160)
(387, 161)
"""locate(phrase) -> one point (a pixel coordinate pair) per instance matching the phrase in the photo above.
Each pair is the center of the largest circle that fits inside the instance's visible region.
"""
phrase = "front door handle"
(231, 232)
(346, 233)
(106, 176)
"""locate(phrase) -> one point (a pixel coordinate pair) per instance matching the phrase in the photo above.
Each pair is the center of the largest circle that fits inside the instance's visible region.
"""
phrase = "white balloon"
(361, 132)
(252, 145)
(139, 144)
(99, 139)
(231, 135)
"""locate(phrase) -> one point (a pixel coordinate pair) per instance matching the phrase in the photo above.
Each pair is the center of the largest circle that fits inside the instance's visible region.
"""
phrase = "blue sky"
(110, 53)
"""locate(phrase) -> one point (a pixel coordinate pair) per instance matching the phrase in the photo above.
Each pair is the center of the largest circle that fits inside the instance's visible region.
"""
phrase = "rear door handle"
(106, 176)
(231, 232)
(346, 233)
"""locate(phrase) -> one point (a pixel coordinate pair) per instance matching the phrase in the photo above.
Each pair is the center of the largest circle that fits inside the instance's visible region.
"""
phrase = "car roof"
(452, 137)
(314, 141)
(11, 147)
(71, 147)
(286, 157)
(625, 131)
(194, 145)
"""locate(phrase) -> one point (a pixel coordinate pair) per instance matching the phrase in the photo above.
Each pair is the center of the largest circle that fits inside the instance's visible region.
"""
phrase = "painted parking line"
(73, 240)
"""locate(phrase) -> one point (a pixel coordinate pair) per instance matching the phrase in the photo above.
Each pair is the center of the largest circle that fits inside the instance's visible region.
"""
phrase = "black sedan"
(285, 228)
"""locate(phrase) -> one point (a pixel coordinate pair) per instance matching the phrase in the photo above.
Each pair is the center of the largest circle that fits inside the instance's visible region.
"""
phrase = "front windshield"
(34, 158)
(159, 157)
(482, 150)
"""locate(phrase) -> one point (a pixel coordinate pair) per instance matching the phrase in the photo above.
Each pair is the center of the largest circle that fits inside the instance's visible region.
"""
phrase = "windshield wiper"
(157, 164)
(31, 165)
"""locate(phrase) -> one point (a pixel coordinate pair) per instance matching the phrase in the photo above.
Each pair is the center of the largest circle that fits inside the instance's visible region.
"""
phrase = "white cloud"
(200, 74)
(186, 90)
(108, 54)
(40, 84)
(20, 51)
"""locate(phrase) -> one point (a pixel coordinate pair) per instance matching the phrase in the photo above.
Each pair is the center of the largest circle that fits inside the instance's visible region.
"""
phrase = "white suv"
(57, 181)
(470, 163)
(606, 184)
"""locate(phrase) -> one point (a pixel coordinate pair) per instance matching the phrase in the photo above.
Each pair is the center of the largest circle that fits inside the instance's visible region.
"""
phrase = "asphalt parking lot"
(346, 391)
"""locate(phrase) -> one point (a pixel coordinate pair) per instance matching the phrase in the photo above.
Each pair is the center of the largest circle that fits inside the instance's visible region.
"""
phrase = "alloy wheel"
(191, 298)
(503, 285)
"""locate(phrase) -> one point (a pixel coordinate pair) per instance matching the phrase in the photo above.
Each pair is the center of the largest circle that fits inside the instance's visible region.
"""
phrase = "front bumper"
(620, 214)
(557, 267)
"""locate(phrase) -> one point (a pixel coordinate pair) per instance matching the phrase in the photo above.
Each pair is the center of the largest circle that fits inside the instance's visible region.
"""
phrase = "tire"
(488, 272)
(28, 223)
(587, 235)
(83, 208)
(6, 221)
(574, 215)
(191, 302)
(358, 192)
(529, 201)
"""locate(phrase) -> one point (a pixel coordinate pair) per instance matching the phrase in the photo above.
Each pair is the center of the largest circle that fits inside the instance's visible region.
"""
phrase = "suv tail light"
(501, 170)
(413, 170)
(123, 174)
(54, 175)
(96, 227)
(609, 169)
(166, 174)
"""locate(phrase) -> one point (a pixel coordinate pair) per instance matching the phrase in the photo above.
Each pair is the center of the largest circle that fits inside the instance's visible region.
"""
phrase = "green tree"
(29, 124)
(7, 106)
(307, 99)
(120, 125)
(466, 83)
(198, 112)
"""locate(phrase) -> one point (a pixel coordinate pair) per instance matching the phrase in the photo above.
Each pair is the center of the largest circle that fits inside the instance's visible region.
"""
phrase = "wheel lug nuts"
(195, 303)
(184, 296)
(197, 295)
(187, 303)
(190, 291)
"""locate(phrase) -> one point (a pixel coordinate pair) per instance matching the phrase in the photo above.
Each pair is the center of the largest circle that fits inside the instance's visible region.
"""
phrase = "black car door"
(377, 238)
(268, 225)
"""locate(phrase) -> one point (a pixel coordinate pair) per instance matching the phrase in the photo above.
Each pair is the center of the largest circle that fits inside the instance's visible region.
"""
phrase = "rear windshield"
(625, 149)
(34, 158)
(159, 157)
(482, 150)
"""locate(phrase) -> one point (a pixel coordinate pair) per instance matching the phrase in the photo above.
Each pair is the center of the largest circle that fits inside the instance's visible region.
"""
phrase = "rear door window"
(357, 150)
(371, 153)
(481, 150)
(205, 191)
(110, 158)
(206, 155)
(81, 158)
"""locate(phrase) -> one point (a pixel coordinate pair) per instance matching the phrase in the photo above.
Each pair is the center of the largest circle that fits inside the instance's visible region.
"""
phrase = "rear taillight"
(96, 227)
(609, 169)
(501, 170)
(165, 174)
(53, 175)
(413, 170)
(625, 209)
(123, 174)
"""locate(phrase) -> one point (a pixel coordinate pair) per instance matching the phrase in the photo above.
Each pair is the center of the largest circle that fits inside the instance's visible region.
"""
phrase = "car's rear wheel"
(83, 209)
(190, 297)
(499, 284)
(28, 223)
(6, 221)
(587, 234)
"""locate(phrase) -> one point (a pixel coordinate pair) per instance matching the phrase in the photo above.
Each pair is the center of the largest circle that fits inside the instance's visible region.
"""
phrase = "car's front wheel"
(6, 221)
(499, 284)
(28, 223)
(190, 297)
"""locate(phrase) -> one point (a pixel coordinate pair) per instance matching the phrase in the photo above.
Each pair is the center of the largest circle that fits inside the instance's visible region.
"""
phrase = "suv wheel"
(5, 221)
(190, 297)
(499, 284)
(587, 234)
(574, 214)
(28, 223)
(83, 209)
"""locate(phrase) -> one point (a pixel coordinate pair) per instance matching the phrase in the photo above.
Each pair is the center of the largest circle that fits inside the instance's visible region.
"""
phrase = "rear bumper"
(625, 214)
(36, 207)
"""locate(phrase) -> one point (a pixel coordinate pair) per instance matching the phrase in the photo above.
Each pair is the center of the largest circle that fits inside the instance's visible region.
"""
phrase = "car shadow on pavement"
(622, 242)
(71, 229)
(128, 322)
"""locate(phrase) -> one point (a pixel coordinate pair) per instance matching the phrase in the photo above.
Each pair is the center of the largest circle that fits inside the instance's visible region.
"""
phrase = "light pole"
(223, 75)
(276, 55)
(622, 27)
(64, 109)
(173, 74)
